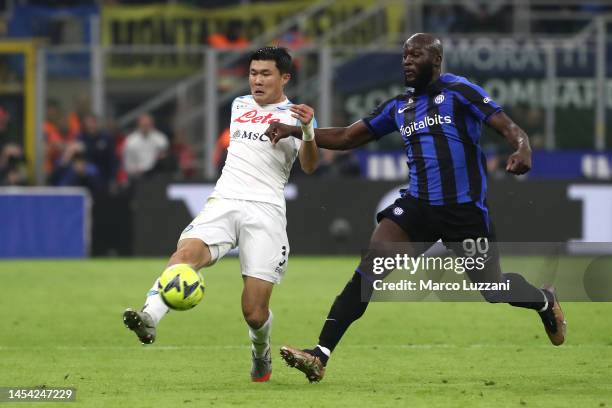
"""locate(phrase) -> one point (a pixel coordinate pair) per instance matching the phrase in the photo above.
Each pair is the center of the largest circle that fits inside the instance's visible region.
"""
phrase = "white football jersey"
(255, 170)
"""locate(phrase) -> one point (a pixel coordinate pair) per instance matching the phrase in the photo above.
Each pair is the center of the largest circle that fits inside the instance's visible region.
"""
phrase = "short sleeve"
(480, 104)
(382, 119)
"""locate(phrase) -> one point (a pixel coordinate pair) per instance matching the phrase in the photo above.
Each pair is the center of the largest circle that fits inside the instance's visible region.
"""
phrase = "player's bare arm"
(309, 152)
(519, 162)
(336, 138)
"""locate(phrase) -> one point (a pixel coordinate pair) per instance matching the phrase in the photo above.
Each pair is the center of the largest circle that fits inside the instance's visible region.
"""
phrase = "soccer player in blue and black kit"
(439, 118)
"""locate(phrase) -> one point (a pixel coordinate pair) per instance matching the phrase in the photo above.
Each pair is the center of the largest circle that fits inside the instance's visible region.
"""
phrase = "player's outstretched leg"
(348, 306)
(190, 251)
(255, 302)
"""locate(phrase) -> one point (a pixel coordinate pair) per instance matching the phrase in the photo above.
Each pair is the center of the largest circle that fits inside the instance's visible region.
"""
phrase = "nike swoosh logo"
(400, 110)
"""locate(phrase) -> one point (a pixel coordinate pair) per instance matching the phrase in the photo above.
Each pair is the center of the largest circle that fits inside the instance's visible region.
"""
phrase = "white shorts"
(257, 228)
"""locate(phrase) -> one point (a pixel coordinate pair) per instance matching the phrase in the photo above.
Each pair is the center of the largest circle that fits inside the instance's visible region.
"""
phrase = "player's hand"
(519, 162)
(277, 131)
(303, 113)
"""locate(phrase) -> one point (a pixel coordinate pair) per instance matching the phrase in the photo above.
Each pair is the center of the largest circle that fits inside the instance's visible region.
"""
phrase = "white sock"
(324, 350)
(154, 305)
(260, 338)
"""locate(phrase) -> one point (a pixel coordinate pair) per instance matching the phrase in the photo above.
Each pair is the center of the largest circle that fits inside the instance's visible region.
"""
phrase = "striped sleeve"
(477, 100)
(382, 119)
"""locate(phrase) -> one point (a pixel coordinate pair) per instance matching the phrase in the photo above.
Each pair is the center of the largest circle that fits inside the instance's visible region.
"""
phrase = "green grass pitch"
(60, 325)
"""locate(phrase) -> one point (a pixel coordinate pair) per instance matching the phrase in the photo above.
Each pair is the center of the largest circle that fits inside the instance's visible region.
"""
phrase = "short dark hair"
(279, 55)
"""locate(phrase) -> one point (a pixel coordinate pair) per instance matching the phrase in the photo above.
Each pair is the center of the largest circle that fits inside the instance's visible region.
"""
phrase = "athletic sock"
(347, 308)
(524, 294)
(322, 353)
(154, 305)
(260, 338)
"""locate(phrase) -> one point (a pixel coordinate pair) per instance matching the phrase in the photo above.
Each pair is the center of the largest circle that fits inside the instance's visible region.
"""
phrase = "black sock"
(524, 294)
(347, 308)
(318, 353)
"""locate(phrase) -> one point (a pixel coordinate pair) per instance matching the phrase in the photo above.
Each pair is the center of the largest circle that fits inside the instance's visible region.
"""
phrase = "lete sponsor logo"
(253, 116)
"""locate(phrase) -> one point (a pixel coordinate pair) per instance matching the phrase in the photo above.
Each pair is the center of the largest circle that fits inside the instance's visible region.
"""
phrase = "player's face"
(266, 82)
(418, 65)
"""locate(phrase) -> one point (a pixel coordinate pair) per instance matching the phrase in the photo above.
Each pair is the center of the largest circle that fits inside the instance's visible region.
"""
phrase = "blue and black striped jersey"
(441, 129)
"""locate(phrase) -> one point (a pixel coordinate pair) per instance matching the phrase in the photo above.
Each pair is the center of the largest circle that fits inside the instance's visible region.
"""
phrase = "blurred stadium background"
(79, 77)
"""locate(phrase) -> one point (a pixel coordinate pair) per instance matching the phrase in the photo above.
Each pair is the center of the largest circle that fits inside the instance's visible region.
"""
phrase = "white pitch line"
(348, 346)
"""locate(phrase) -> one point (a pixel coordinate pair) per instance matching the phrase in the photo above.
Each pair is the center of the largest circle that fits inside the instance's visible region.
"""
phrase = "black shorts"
(462, 227)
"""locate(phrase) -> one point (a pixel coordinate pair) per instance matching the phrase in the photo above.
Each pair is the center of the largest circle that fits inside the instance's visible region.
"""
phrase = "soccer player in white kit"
(247, 207)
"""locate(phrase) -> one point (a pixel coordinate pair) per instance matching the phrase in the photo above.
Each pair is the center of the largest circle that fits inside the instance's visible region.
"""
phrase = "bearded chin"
(421, 81)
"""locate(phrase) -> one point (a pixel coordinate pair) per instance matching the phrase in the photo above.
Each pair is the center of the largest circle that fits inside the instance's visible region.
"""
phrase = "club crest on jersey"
(439, 99)
(397, 211)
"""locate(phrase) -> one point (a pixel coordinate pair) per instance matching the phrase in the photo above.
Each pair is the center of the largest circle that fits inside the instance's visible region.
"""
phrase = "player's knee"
(255, 317)
(192, 253)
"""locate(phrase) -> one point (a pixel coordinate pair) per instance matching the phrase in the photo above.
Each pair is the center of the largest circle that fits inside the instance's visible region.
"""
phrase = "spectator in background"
(12, 166)
(293, 39)
(77, 116)
(182, 150)
(54, 131)
(8, 132)
(220, 154)
(233, 38)
(119, 137)
(73, 169)
(99, 149)
(12, 160)
(144, 148)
